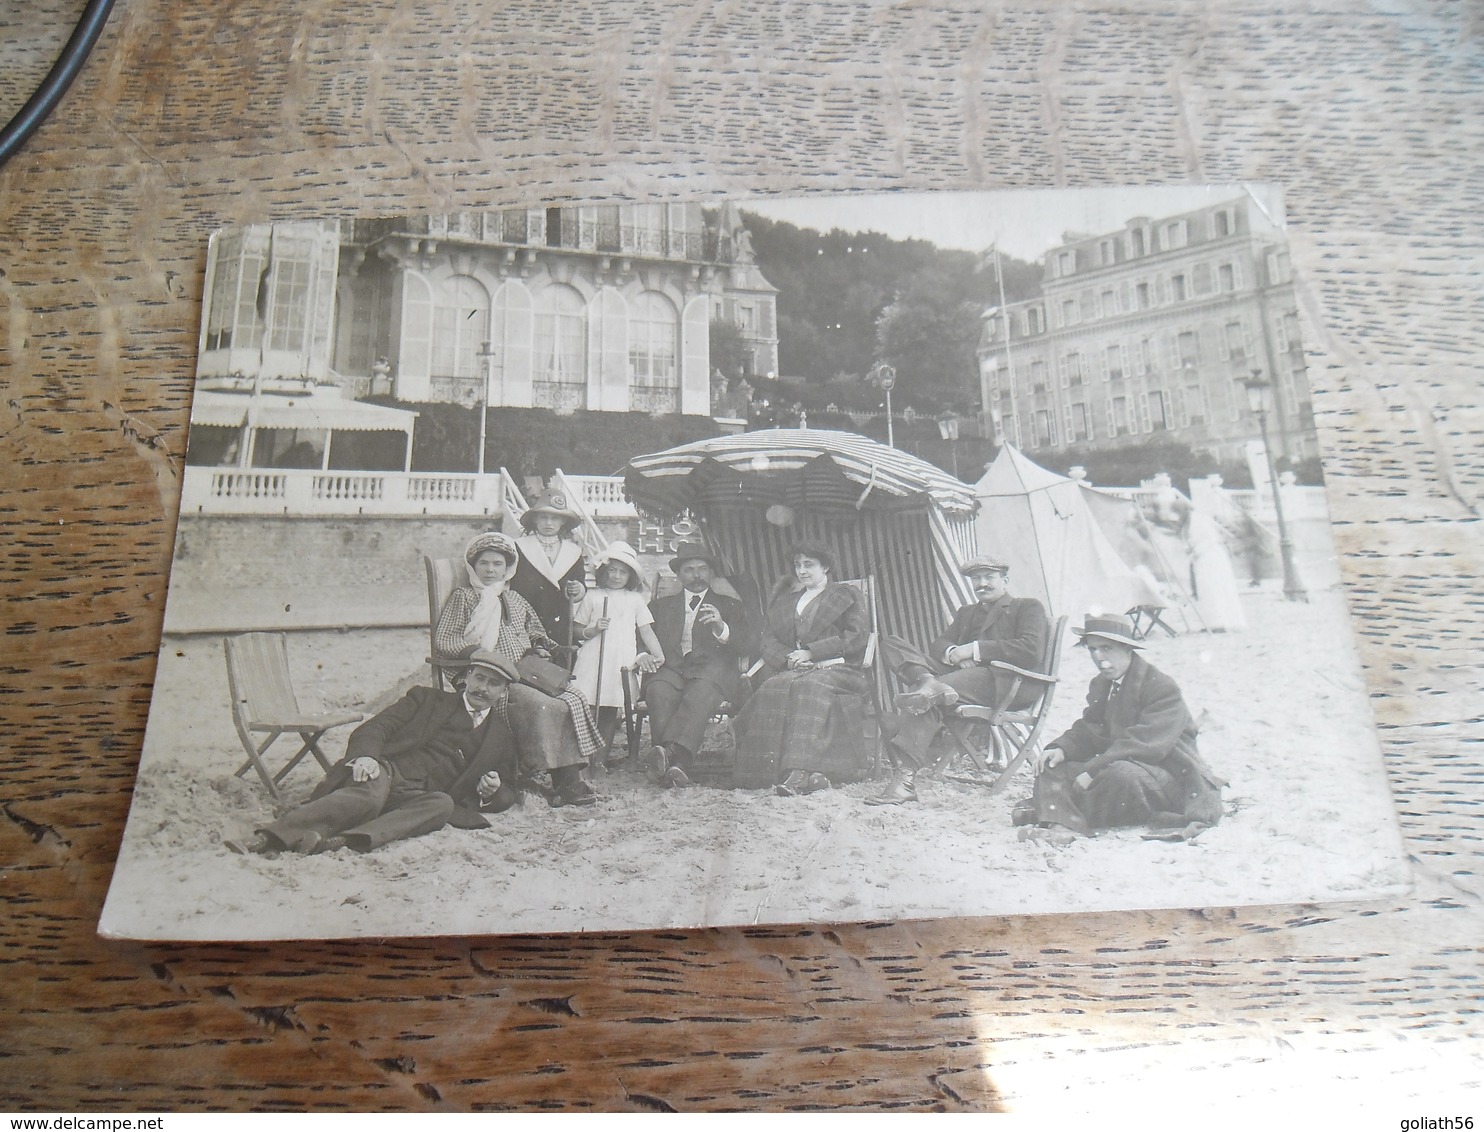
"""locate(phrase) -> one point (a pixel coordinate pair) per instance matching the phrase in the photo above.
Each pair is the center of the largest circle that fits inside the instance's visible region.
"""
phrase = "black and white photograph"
(753, 561)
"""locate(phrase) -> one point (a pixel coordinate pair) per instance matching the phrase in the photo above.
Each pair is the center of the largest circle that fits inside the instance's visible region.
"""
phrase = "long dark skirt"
(810, 721)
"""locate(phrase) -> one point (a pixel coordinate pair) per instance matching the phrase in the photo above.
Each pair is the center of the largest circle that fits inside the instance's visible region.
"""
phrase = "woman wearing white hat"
(610, 621)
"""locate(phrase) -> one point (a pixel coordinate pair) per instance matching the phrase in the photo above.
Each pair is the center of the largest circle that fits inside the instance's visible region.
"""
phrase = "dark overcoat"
(812, 719)
(709, 659)
(426, 737)
(1011, 629)
(1146, 723)
(543, 583)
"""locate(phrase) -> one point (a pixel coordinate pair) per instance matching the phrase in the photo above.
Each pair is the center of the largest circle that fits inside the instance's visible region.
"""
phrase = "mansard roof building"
(604, 307)
(1150, 332)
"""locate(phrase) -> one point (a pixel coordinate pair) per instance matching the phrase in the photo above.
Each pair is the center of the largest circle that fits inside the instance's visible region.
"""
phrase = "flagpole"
(1005, 321)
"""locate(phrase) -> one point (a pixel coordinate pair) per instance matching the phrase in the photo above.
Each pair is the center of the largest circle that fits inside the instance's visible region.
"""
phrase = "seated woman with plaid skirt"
(555, 733)
(801, 729)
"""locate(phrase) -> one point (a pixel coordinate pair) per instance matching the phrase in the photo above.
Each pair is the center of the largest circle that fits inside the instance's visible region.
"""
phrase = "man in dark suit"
(1131, 759)
(430, 758)
(955, 669)
(702, 634)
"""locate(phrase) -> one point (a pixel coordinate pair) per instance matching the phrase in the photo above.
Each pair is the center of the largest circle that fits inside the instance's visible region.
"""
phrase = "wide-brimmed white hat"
(619, 551)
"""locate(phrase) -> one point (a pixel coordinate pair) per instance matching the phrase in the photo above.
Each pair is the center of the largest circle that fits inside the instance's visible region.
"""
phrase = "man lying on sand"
(431, 758)
(1131, 759)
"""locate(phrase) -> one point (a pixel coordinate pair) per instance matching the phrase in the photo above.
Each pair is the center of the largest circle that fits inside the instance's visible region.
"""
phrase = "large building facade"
(1150, 332)
(604, 308)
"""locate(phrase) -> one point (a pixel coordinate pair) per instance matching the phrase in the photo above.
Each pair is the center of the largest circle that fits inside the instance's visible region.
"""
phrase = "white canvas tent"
(1044, 526)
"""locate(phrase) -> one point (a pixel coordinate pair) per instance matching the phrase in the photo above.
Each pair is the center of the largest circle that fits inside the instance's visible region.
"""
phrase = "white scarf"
(485, 621)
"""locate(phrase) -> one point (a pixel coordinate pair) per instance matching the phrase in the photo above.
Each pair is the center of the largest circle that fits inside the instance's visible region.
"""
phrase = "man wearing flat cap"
(431, 758)
(702, 633)
(1131, 759)
(956, 669)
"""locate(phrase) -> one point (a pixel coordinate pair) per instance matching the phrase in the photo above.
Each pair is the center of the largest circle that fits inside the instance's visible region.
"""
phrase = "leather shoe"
(793, 784)
(653, 764)
(926, 696)
(259, 842)
(328, 845)
(1025, 813)
(900, 789)
(677, 778)
(815, 782)
(572, 790)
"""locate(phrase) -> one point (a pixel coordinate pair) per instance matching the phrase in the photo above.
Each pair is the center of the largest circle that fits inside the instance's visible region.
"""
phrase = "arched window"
(461, 326)
(654, 377)
(559, 369)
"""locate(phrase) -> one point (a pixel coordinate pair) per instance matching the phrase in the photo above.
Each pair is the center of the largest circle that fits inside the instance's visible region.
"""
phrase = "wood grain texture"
(190, 116)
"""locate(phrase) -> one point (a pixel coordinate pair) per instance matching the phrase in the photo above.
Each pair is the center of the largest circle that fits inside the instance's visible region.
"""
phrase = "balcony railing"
(529, 228)
(294, 492)
(562, 396)
(654, 398)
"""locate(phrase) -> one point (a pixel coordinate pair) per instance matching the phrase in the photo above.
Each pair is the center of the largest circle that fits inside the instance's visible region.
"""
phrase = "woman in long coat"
(801, 729)
(551, 574)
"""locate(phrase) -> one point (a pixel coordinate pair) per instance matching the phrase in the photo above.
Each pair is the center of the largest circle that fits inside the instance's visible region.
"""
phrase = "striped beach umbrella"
(887, 514)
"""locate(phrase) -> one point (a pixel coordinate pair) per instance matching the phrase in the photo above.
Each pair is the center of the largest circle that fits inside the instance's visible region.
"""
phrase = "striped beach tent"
(887, 514)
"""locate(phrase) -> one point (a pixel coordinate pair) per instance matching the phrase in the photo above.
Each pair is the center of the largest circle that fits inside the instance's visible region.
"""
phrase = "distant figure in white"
(1213, 581)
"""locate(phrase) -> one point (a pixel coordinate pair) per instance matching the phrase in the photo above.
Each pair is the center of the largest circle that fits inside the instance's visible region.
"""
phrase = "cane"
(602, 642)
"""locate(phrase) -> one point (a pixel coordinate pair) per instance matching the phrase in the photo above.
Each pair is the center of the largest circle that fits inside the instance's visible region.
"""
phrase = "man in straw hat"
(702, 633)
(431, 758)
(1131, 759)
(955, 669)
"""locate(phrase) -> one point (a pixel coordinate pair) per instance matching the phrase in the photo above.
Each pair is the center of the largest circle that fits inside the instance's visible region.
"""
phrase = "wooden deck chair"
(1013, 735)
(444, 576)
(263, 701)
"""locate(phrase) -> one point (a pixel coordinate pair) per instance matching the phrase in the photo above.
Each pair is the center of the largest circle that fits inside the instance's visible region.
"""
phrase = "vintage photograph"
(846, 558)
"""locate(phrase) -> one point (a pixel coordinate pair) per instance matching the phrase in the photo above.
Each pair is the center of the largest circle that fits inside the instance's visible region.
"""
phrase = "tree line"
(850, 300)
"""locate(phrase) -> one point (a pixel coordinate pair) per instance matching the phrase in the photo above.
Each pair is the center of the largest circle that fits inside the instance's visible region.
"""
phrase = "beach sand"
(1284, 718)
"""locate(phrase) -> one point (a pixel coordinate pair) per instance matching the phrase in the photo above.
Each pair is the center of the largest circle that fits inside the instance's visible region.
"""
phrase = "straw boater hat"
(1110, 627)
(687, 551)
(492, 540)
(484, 658)
(619, 551)
(550, 502)
(985, 564)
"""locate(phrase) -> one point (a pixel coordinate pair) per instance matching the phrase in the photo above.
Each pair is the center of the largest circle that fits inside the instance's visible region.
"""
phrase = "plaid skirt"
(810, 721)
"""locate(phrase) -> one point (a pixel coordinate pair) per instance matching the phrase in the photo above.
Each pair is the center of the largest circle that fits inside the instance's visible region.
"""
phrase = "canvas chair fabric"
(264, 703)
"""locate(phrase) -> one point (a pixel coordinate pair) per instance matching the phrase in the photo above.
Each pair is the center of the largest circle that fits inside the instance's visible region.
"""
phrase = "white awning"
(315, 412)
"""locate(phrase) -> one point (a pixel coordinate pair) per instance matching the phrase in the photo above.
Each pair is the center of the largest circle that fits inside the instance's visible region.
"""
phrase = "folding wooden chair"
(263, 700)
(444, 576)
(1013, 735)
(1147, 618)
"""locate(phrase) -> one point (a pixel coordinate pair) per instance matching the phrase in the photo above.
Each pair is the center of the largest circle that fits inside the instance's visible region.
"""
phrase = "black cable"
(58, 79)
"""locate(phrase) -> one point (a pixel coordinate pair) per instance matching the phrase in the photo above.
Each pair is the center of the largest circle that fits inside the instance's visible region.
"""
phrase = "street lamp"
(1257, 390)
(886, 377)
(485, 366)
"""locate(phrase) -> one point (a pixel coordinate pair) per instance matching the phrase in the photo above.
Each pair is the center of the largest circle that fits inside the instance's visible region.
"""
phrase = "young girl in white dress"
(610, 622)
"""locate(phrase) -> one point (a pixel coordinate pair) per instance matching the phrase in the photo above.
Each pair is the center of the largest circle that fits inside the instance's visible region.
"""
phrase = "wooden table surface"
(195, 115)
